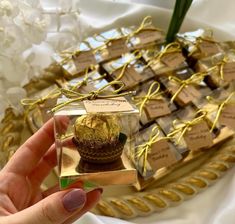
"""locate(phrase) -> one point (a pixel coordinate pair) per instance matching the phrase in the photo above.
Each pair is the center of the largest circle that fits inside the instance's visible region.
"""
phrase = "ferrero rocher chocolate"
(98, 140)
(97, 128)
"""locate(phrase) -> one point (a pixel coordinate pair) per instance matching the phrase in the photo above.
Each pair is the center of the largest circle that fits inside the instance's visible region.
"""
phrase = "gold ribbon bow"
(195, 79)
(151, 95)
(168, 49)
(137, 55)
(199, 40)
(145, 24)
(74, 96)
(32, 103)
(220, 66)
(182, 126)
(144, 149)
(221, 105)
(86, 78)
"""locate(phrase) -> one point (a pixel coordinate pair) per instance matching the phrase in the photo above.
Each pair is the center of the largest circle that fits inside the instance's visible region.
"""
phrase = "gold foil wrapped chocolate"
(97, 128)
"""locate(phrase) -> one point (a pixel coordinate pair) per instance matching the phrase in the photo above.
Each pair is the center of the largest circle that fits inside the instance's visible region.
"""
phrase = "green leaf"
(180, 10)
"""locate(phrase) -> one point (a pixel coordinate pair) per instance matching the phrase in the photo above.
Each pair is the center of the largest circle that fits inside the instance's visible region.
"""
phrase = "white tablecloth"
(217, 204)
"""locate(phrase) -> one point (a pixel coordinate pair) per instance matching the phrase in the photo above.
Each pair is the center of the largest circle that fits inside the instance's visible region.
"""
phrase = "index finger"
(30, 153)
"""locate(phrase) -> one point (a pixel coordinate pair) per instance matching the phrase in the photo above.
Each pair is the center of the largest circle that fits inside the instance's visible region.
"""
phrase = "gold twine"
(221, 105)
(199, 40)
(169, 49)
(151, 95)
(182, 126)
(74, 96)
(144, 149)
(195, 79)
(145, 24)
(220, 66)
(86, 78)
(137, 55)
(32, 103)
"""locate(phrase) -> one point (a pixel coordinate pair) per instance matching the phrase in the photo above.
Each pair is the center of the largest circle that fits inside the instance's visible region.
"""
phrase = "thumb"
(54, 209)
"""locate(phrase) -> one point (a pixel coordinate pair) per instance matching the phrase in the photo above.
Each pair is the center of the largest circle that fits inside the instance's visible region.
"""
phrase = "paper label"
(117, 47)
(198, 137)
(187, 95)
(157, 108)
(148, 73)
(83, 60)
(148, 36)
(208, 48)
(173, 60)
(119, 104)
(227, 116)
(161, 155)
(229, 71)
(130, 78)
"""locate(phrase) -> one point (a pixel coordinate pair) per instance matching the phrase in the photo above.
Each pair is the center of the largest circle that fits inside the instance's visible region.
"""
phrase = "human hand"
(21, 199)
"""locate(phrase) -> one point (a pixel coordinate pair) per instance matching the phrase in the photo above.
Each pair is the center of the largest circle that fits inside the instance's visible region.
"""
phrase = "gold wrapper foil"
(97, 127)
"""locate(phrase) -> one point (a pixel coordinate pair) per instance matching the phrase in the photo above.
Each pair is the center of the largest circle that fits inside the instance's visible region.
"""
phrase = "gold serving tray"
(170, 187)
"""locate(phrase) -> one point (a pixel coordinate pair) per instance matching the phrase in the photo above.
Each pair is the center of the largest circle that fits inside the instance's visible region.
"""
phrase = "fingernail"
(99, 189)
(74, 200)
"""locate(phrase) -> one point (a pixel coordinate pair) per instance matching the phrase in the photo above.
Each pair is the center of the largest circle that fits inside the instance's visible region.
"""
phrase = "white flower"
(7, 8)
(13, 69)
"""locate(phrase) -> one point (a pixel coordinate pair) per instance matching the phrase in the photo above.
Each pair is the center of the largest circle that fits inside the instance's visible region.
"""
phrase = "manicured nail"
(99, 189)
(74, 200)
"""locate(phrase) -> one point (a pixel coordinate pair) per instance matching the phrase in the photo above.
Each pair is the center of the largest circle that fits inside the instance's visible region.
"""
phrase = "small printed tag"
(193, 92)
(173, 60)
(148, 73)
(148, 36)
(157, 108)
(117, 47)
(161, 155)
(208, 48)
(83, 60)
(198, 137)
(130, 78)
(227, 116)
(229, 71)
(119, 104)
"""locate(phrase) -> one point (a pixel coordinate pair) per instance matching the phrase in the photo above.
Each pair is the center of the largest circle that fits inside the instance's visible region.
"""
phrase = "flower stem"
(180, 10)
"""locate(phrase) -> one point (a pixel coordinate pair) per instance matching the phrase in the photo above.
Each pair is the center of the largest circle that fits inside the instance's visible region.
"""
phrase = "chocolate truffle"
(98, 138)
